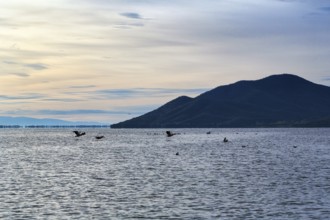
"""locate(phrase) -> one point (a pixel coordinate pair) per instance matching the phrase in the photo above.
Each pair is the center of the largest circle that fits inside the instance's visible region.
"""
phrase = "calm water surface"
(134, 174)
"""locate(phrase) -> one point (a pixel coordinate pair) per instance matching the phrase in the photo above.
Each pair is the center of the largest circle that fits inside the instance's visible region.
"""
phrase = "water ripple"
(136, 174)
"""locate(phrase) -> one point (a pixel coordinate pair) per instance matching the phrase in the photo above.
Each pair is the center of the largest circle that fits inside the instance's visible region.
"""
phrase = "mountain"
(26, 121)
(276, 101)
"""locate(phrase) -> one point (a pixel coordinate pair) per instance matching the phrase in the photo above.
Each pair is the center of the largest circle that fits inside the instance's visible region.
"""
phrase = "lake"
(137, 174)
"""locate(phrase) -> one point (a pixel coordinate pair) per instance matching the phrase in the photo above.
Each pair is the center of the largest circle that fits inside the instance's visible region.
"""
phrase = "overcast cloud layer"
(110, 60)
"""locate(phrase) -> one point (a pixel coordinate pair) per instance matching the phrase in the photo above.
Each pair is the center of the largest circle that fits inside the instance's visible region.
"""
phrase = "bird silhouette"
(99, 137)
(169, 133)
(78, 133)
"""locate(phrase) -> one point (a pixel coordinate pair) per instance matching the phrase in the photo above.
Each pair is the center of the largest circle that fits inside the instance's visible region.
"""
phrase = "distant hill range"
(27, 121)
(276, 101)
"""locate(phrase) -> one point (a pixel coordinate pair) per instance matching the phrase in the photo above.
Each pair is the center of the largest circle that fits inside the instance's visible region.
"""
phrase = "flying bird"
(99, 137)
(78, 133)
(169, 134)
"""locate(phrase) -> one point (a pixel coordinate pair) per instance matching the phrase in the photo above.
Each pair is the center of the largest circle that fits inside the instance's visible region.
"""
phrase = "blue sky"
(110, 60)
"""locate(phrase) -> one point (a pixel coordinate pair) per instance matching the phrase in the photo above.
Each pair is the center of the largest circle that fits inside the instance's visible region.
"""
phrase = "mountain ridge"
(28, 121)
(278, 100)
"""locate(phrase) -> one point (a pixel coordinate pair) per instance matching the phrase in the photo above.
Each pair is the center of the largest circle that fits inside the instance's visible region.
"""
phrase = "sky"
(111, 60)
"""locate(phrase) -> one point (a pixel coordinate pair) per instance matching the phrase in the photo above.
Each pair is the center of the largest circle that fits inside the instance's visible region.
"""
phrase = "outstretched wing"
(169, 133)
(78, 133)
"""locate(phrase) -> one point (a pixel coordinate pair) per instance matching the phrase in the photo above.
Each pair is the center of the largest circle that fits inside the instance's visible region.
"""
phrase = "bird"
(78, 133)
(99, 137)
(169, 134)
(177, 154)
(209, 132)
(225, 140)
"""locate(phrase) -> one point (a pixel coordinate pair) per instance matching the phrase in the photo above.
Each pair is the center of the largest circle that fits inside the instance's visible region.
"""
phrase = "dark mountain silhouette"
(276, 101)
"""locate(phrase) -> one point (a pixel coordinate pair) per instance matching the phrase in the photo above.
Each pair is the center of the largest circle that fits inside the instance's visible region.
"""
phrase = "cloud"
(61, 112)
(128, 25)
(136, 109)
(132, 15)
(325, 9)
(82, 87)
(122, 110)
(108, 94)
(61, 100)
(36, 66)
(76, 112)
(28, 96)
(21, 74)
(148, 92)
(9, 62)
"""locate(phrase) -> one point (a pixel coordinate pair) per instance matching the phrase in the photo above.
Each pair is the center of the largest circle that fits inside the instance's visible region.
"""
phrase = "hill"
(27, 121)
(276, 101)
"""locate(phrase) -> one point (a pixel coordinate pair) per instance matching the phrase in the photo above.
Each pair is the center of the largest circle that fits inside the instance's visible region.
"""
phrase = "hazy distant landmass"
(27, 121)
(276, 101)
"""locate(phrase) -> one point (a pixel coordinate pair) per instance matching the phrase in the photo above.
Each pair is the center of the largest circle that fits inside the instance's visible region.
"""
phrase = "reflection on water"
(258, 174)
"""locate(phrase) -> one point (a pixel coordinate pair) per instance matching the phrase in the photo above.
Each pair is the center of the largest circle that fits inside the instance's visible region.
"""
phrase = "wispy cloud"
(36, 66)
(148, 92)
(122, 25)
(82, 87)
(109, 94)
(9, 62)
(136, 109)
(124, 111)
(132, 15)
(76, 112)
(325, 9)
(28, 96)
(21, 74)
(70, 100)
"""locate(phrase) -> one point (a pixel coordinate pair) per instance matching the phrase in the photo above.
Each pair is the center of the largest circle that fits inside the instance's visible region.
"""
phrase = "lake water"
(136, 174)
